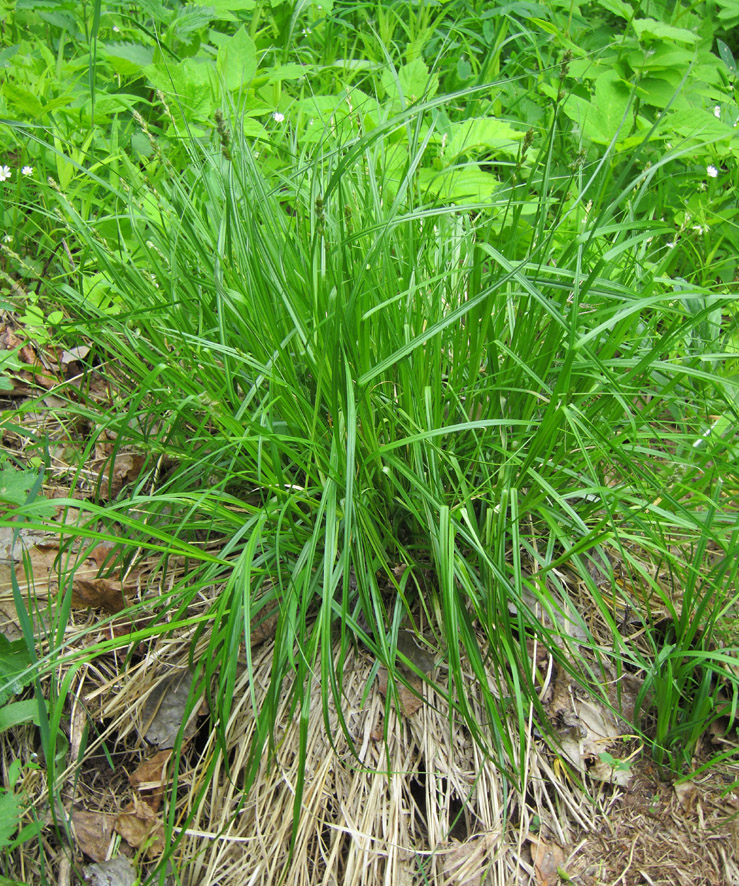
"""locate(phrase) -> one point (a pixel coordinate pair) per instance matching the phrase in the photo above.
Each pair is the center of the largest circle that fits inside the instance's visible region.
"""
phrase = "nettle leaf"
(482, 133)
(650, 29)
(189, 81)
(237, 60)
(11, 811)
(14, 670)
(318, 114)
(728, 13)
(659, 92)
(23, 101)
(606, 114)
(190, 20)
(253, 128)
(41, 4)
(322, 6)
(101, 292)
(409, 83)
(65, 21)
(695, 123)
(460, 184)
(15, 485)
(225, 10)
(290, 71)
(617, 7)
(157, 10)
(663, 57)
(323, 108)
(128, 58)
(106, 105)
(9, 362)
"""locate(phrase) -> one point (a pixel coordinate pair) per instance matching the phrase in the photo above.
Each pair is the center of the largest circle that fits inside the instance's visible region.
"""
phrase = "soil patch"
(656, 832)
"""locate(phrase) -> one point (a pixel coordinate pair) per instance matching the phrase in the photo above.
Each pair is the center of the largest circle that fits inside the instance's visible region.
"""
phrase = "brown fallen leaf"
(150, 777)
(548, 859)
(41, 560)
(93, 831)
(586, 730)
(409, 702)
(687, 795)
(73, 354)
(164, 709)
(411, 697)
(38, 375)
(126, 468)
(90, 590)
(465, 864)
(264, 629)
(140, 826)
(104, 554)
(98, 593)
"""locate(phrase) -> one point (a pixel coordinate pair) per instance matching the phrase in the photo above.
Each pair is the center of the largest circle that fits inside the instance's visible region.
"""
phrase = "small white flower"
(711, 170)
(8, 238)
(27, 170)
(671, 244)
(116, 29)
(278, 117)
(5, 173)
(306, 31)
(717, 111)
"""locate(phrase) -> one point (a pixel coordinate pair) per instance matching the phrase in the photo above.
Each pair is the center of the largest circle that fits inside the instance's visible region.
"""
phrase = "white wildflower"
(27, 170)
(5, 173)
(278, 117)
(712, 171)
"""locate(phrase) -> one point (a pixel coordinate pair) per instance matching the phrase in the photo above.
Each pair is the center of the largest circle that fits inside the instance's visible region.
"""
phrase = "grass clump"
(389, 361)
(391, 406)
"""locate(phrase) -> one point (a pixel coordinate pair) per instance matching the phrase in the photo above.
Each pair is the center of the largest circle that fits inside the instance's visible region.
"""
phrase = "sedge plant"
(381, 404)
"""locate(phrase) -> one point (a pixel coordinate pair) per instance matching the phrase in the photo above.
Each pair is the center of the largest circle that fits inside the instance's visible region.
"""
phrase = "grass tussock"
(421, 401)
